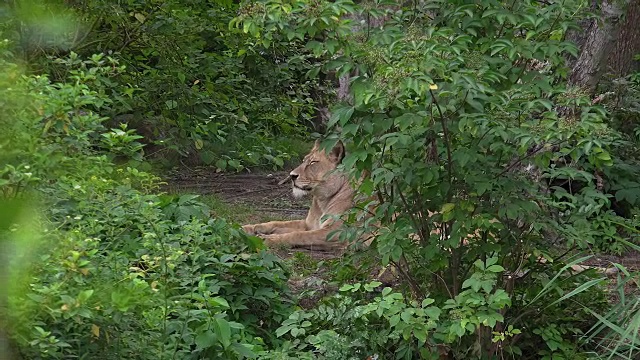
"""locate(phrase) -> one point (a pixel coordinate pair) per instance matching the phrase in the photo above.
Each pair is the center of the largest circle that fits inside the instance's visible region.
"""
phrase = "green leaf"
(394, 320)
(255, 243)
(447, 207)
(471, 283)
(340, 116)
(433, 312)
(208, 157)
(447, 211)
(604, 156)
(495, 268)
(346, 287)
(245, 26)
(245, 350)
(313, 73)
(551, 283)
(141, 18)
(372, 285)
(428, 301)
(334, 64)
(283, 330)
(84, 295)
(205, 340)
(223, 331)
(171, 104)
(421, 336)
(396, 253)
(221, 164)
(492, 260)
(579, 289)
(218, 302)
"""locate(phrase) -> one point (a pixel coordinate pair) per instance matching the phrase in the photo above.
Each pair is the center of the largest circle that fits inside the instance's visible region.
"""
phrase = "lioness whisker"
(284, 180)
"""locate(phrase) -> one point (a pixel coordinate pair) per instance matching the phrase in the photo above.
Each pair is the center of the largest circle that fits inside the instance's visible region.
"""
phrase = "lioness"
(332, 195)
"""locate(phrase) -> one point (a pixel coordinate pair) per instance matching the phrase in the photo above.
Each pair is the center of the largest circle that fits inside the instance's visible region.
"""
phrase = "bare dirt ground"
(630, 260)
(260, 189)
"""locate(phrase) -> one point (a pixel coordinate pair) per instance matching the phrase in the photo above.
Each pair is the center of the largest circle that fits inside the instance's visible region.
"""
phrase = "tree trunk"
(342, 84)
(600, 41)
(621, 59)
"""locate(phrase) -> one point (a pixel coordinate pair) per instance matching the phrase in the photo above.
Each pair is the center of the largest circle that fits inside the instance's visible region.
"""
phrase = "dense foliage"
(479, 157)
(119, 272)
(193, 88)
(461, 108)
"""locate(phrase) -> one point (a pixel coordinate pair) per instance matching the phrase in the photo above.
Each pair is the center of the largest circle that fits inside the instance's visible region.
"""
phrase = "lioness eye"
(312, 162)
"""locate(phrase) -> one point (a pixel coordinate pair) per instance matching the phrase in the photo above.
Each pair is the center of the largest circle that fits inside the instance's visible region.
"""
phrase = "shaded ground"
(260, 190)
(630, 260)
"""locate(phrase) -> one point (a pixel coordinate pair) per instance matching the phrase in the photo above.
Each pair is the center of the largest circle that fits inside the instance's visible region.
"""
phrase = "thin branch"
(446, 138)
(411, 215)
(524, 157)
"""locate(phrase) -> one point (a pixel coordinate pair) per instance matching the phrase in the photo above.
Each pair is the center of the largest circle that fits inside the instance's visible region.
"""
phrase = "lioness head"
(315, 174)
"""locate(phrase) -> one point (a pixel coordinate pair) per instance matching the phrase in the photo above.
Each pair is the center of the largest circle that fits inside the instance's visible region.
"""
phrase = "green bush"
(184, 80)
(124, 280)
(114, 270)
(480, 161)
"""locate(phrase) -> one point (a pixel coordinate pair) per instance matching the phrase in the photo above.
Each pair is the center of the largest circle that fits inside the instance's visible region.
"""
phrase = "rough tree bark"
(600, 39)
(621, 59)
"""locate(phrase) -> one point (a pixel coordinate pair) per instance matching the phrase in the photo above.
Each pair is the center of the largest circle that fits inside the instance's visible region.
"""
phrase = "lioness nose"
(293, 176)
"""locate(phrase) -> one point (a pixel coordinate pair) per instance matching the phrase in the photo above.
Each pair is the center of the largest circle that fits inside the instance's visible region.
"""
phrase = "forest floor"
(254, 197)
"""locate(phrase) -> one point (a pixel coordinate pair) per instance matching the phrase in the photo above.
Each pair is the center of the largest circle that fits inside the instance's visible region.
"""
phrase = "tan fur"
(332, 196)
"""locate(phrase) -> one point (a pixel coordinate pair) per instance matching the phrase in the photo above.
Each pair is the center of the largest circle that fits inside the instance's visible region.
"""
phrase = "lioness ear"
(337, 153)
(316, 145)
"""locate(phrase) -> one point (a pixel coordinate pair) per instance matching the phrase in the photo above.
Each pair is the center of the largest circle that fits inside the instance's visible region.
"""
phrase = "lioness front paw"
(271, 239)
(262, 229)
(249, 229)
